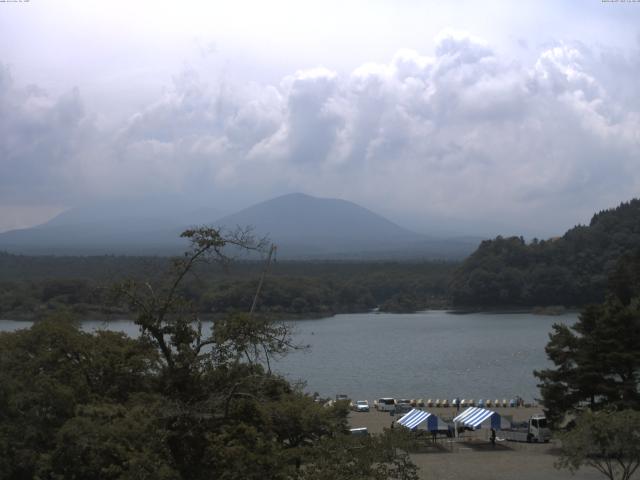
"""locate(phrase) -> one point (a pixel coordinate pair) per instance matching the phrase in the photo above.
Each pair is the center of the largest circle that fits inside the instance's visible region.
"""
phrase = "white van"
(385, 404)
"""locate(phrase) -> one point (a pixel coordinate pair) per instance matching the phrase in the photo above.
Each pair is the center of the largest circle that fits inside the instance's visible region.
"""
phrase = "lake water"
(433, 354)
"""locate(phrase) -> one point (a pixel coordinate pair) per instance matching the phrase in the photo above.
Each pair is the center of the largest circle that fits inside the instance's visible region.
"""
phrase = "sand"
(475, 458)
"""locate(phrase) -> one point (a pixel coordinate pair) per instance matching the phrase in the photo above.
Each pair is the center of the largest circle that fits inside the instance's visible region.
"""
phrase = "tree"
(48, 373)
(597, 362)
(606, 441)
(176, 403)
(381, 457)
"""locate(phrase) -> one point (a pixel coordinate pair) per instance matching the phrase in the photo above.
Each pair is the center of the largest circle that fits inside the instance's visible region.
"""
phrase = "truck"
(535, 430)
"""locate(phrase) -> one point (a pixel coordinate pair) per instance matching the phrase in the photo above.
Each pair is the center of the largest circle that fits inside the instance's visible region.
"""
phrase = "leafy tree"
(606, 441)
(176, 403)
(382, 457)
(48, 372)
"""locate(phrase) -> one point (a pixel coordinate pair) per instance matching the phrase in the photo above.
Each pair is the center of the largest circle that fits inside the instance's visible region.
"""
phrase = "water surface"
(433, 354)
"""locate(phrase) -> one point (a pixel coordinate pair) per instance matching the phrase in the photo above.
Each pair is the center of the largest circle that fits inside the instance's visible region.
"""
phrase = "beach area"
(473, 456)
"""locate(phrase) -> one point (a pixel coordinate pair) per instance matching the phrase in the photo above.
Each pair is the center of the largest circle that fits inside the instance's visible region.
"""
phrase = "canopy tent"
(475, 417)
(419, 419)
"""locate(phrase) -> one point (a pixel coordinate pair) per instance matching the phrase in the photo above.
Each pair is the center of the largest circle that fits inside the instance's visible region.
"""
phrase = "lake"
(432, 354)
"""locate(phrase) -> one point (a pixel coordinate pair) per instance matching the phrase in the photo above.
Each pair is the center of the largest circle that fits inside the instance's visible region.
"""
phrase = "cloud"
(41, 138)
(464, 132)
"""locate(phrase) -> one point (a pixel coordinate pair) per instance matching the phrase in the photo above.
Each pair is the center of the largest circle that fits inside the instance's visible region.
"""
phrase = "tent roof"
(414, 418)
(474, 416)
(419, 419)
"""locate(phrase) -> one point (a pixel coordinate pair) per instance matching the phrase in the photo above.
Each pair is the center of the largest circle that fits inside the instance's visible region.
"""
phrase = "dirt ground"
(474, 458)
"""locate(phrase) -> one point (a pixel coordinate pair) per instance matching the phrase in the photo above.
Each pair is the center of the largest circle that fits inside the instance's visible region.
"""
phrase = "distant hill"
(308, 224)
(309, 227)
(571, 270)
(303, 227)
(129, 226)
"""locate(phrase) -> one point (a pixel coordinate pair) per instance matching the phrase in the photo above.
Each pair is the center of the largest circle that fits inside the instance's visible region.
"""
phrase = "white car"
(361, 406)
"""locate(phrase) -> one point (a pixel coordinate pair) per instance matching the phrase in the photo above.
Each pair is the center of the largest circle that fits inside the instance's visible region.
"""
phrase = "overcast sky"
(524, 116)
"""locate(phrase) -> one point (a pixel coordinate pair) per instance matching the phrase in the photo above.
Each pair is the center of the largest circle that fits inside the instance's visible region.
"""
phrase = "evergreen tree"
(597, 360)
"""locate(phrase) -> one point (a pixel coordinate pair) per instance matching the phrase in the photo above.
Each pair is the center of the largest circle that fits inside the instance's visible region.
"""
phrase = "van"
(385, 404)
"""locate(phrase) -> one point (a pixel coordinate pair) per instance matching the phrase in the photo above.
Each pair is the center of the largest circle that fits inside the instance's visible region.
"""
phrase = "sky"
(479, 117)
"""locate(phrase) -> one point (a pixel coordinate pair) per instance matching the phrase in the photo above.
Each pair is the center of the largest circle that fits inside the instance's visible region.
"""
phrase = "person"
(457, 404)
(493, 437)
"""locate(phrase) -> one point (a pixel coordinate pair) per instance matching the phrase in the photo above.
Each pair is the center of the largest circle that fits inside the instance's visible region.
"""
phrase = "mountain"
(148, 227)
(321, 224)
(571, 270)
(303, 227)
(309, 227)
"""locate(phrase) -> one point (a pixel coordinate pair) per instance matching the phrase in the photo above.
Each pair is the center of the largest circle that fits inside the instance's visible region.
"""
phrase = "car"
(403, 405)
(385, 404)
(360, 406)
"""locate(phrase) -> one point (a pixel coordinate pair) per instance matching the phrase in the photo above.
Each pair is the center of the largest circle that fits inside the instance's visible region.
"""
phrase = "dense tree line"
(32, 285)
(571, 270)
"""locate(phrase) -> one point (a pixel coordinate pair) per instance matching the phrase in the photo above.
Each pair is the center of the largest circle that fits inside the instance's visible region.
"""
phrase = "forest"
(32, 286)
(571, 270)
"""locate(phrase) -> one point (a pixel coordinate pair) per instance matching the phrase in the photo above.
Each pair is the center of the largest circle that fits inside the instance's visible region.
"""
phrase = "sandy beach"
(474, 458)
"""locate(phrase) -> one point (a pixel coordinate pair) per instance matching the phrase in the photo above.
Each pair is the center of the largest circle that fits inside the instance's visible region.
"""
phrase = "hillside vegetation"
(571, 270)
(32, 286)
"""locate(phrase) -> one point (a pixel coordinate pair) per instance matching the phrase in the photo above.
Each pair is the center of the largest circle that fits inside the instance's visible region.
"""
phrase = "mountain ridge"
(303, 226)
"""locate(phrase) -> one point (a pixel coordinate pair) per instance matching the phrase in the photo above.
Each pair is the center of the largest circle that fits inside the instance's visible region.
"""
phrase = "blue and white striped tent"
(474, 417)
(419, 419)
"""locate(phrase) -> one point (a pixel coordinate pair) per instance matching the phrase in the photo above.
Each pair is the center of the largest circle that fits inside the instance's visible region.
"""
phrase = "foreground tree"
(179, 402)
(381, 457)
(606, 441)
(49, 373)
(597, 360)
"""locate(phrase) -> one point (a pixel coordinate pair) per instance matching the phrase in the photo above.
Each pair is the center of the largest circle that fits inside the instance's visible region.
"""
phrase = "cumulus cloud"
(463, 132)
(40, 140)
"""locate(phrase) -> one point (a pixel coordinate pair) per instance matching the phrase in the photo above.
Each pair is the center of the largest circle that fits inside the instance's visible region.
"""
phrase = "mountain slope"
(302, 226)
(322, 223)
(147, 227)
(571, 270)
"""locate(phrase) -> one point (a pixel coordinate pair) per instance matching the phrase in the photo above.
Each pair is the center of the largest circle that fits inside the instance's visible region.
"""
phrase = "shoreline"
(98, 314)
(473, 457)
